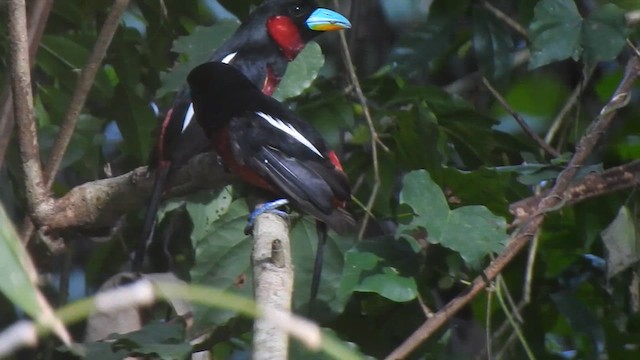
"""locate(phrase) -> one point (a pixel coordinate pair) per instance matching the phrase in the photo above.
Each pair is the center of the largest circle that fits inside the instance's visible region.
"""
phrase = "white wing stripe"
(187, 118)
(229, 58)
(290, 130)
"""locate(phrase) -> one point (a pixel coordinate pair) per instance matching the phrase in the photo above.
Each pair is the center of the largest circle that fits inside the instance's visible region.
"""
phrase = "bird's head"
(292, 23)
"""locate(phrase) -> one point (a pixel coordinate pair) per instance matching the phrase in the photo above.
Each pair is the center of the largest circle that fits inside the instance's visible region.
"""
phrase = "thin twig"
(557, 122)
(470, 81)
(38, 15)
(523, 124)
(530, 227)
(488, 326)
(506, 19)
(531, 260)
(372, 130)
(514, 324)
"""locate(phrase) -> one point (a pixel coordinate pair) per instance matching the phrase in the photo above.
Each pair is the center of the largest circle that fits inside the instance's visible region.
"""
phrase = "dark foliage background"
(449, 160)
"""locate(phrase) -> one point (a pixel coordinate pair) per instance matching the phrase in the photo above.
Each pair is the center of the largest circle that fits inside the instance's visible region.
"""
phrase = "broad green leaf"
(482, 186)
(365, 272)
(304, 242)
(223, 257)
(223, 261)
(164, 340)
(18, 284)
(559, 32)
(604, 34)
(207, 211)
(472, 231)
(555, 32)
(196, 48)
(64, 55)
(301, 72)
(622, 243)
(492, 44)
(20, 279)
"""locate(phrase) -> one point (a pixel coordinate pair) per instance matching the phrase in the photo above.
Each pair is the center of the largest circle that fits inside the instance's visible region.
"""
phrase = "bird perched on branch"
(270, 147)
(261, 48)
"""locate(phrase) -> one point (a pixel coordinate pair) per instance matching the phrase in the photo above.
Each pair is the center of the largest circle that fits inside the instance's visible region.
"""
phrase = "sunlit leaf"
(472, 231)
(301, 72)
(622, 243)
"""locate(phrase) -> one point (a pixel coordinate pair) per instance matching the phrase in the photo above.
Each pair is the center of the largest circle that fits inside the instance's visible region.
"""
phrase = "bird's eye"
(297, 11)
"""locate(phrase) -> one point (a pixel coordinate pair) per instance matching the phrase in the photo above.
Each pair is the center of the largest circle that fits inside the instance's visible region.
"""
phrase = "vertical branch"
(36, 23)
(273, 284)
(85, 81)
(23, 103)
(375, 140)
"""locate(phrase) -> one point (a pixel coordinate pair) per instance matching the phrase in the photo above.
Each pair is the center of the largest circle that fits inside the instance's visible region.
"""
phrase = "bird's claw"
(270, 207)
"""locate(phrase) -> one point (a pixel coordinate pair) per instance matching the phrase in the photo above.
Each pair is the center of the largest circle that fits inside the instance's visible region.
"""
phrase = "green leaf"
(205, 212)
(197, 48)
(472, 231)
(164, 340)
(17, 284)
(363, 273)
(604, 34)
(222, 260)
(301, 72)
(555, 32)
(559, 32)
(136, 121)
(304, 242)
(492, 44)
(622, 243)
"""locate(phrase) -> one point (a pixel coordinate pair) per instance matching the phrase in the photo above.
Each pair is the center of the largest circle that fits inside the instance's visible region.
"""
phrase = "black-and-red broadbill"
(261, 48)
(270, 147)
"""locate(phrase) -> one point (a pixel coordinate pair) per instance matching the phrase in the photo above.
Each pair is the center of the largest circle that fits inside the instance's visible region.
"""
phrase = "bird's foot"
(271, 207)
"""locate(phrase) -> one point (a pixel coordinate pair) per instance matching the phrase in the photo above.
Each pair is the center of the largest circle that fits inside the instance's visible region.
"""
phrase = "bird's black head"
(219, 92)
(292, 23)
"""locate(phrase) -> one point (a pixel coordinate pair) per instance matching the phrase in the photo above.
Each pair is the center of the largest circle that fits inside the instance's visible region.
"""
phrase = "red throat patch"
(286, 34)
(270, 82)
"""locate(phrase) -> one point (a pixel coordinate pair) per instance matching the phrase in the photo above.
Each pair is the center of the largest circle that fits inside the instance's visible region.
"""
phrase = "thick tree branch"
(553, 201)
(593, 185)
(38, 16)
(272, 283)
(23, 104)
(100, 203)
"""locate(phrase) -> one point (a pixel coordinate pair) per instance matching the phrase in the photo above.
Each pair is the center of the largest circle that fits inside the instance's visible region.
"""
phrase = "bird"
(268, 146)
(261, 48)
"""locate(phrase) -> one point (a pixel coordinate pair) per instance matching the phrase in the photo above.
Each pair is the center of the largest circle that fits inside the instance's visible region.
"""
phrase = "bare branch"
(102, 202)
(523, 124)
(38, 16)
(272, 283)
(506, 19)
(23, 104)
